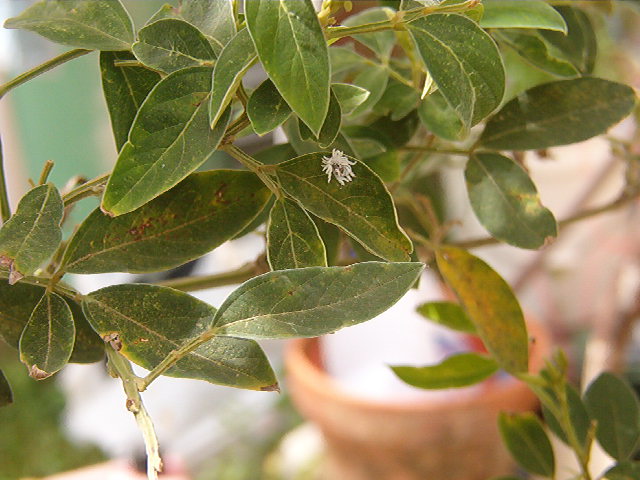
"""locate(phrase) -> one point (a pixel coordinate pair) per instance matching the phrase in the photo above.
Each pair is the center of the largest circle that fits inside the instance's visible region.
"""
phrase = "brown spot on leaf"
(219, 195)
(14, 275)
(106, 212)
(38, 374)
(271, 388)
(114, 340)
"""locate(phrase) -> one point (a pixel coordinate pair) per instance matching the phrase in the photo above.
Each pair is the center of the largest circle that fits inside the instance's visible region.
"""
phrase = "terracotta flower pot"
(431, 439)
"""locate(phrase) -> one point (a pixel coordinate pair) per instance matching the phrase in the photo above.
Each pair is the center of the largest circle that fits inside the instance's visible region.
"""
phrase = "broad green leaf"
(308, 302)
(149, 322)
(614, 406)
(579, 45)
(349, 96)
(47, 340)
(398, 100)
(463, 61)
(293, 240)
(214, 19)
(266, 108)
(460, 370)
(490, 304)
(506, 201)
(439, 118)
(199, 214)
(88, 347)
(124, 88)
(625, 470)
(330, 127)
(169, 139)
(275, 154)
(293, 52)
(558, 113)
(532, 48)
(343, 59)
(330, 235)
(397, 132)
(363, 208)
(171, 44)
(381, 43)
(521, 14)
(91, 24)
(386, 165)
(235, 59)
(447, 314)
(6, 395)
(578, 417)
(527, 441)
(32, 233)
(372, 78)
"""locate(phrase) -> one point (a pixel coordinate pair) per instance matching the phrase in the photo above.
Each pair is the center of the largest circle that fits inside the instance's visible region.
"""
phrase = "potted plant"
(352, 201)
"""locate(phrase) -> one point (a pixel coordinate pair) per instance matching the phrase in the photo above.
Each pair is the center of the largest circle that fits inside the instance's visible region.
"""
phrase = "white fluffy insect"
(339, 166)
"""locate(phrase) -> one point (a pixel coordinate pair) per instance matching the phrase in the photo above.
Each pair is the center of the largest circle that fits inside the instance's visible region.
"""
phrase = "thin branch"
(253, 165)
(5, 209)
(428, 149)
(88, 189)
(233, 277)
(46, 170)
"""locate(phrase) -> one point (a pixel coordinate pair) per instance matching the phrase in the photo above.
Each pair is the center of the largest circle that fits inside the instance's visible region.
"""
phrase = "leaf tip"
(271, 388)
(37, 373)
(106, 210)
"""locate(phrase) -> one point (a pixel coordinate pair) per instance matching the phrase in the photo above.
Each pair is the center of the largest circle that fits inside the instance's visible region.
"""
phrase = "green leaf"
(506, 201)
(91, 24)
(363, 208)
(349, 96)
(266, 108)
(330, 128)
(490, 304)
(293, 240)
(150, 322)
(330, 235)
(397, 132)
(381, 43)
(308, 302)
(447, 314)
(521, 14)
(32, 233)
(88, 347)
(442, 120)
(169, 139)
(47, 340)
(6, 395)
(460, 370)
(531, 47)
(294, 53)
(398, 100)
(579, 45)
(464, 62)
(214, 19)
(199, 214)
(625, 470)
(125, 88)
(578, 417)
(527, 441)
(386, 165)
(614, 406)
(343, 59)
(235, 59)
(558, 113)
(372, 78)
(171, 44)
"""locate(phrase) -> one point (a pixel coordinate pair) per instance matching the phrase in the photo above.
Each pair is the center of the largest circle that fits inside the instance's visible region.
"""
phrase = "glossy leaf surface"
(47, 340)
(293, 240)
(521, 14)
(381, 43)
(463, 61)
(6, 395)
(558, 113)
(490, 304)
(199, 214)
(152, 321)
(363, 208)
(90, 24)
(125, 89)
(447, 314)
(266, 108)
(460, 370)
(33, 232)
(171, 44)
(293, 52)
(527, 441)
(169, 139)
(349, 96)
(214, 19)
(506, 201)
(308, 302)
(614, 406)
(235, 59)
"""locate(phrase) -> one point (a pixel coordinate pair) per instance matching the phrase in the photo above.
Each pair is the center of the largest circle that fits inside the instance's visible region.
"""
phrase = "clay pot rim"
(498, 393)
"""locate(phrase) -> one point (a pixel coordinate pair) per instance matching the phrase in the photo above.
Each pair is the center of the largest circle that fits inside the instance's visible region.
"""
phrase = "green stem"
(42, 68)
(253, 165)
(87, 189)
(46, 170)
(427, 149)
(45, 282)
(238, 125)
(190, 284)
(5, 209)
(122, 368)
